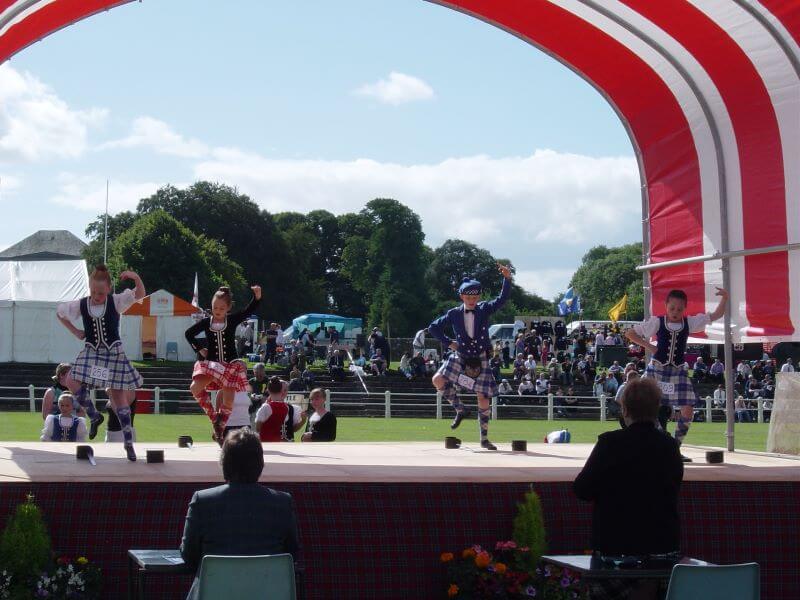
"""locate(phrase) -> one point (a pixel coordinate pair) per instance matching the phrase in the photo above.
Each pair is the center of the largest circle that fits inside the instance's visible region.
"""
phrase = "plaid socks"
(483, 423)
(124, 417)
(208, 407)
(82, 396)
(449, 393)
(681, 429)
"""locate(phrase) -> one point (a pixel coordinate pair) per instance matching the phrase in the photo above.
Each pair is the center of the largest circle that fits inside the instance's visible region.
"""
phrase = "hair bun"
(224, 288)
(100, 267)
(466, 279)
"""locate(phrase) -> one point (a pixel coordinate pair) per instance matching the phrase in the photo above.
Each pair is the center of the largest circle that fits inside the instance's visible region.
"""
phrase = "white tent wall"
(6, 320)
(172, 329)
(38, 336)
(130, 330)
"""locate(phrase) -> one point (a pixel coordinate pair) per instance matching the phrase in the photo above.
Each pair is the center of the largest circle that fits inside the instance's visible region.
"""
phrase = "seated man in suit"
(633, 476)
(242, 517)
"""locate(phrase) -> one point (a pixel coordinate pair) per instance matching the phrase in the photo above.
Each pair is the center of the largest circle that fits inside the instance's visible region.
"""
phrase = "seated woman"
(62, 382)
(114, 429)
(65, 426)
(322, 424)
(405, 366)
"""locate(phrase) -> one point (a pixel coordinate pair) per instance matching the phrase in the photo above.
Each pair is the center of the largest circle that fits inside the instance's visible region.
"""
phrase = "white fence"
(549, 407)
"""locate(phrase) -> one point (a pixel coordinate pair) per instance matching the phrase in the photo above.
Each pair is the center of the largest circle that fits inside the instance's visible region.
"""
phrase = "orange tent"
(162, 304)
(155, 326)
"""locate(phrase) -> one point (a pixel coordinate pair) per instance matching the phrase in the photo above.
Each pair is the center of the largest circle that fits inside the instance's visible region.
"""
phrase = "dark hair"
(678, 295)
(224, 293)
(275, 385)
(641, 399)
(61, 370)
(101, 273)
(242, 457)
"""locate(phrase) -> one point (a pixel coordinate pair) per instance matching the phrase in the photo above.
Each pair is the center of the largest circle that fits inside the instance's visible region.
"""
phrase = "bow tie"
(468, 310)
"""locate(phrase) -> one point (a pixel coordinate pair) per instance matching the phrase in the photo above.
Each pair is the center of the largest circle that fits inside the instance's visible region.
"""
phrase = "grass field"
(167, 428)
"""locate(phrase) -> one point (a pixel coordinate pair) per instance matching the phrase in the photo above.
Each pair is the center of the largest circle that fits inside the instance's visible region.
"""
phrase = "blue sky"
(320, 104)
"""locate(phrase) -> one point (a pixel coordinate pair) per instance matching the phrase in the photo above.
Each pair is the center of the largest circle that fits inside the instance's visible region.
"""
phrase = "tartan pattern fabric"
(121, 373)
(382, 540)
(223, 375)
(453, 366)
(683, 392)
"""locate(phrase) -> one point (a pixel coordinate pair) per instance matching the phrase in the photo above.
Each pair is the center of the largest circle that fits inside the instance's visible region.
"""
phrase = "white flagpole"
(196, 294)
(105, 240)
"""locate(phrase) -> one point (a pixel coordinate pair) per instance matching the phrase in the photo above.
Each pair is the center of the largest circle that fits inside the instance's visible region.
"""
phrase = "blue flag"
(570, 303)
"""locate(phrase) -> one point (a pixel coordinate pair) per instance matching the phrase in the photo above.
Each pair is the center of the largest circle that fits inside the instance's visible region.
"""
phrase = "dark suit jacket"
(239, 519)
(633, 476)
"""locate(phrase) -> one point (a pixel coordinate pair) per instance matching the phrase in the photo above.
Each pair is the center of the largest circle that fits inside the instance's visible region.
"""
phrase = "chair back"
(724, 582)
(172, 348)
(269, 577)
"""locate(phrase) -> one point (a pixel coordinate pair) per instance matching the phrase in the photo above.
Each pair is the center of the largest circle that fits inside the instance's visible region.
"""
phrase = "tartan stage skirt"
(453, 368)
(106, 368)
(676, 387)
(223, 374)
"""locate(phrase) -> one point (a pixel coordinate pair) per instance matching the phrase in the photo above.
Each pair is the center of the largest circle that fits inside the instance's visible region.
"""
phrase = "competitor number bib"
(99, 372)
(667, 388)
(466, 382)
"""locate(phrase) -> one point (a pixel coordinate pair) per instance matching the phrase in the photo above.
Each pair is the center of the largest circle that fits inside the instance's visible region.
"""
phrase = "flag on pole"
(570, 303)
(196, 295)
(620, 308)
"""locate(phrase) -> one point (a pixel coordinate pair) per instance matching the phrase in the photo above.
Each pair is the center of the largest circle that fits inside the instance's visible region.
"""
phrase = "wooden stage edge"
(383, 462)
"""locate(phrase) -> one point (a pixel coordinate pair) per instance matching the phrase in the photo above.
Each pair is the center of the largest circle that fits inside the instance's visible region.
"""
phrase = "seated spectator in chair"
(542, 384)
(633, 477)
(616, 370)
(504, 389)
(716, 372)
(336, 366)
(519, 369)
(418, 365)
(526, 387)
(530, 365)
(321, 425)
(359, 360)
(378, 363)
(769, 387)
(308, 377)
(754, 388)
(114, 429)
(405, 366)
(742, 412)
(630, 376)
(769, 368)
(242, 517)
(719, 396)
(611, 385)
(700, 370)
(65, 426)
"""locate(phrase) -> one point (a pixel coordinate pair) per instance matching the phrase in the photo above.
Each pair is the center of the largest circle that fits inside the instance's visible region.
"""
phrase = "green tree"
(605, 275)
(167, 254)
(95, 231)
(250, 235)
(456, 259)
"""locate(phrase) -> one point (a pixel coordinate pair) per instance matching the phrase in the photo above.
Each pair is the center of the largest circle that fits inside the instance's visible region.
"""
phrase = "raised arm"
(236, 318)
(139, 290)
(721, 307)
(505, 291)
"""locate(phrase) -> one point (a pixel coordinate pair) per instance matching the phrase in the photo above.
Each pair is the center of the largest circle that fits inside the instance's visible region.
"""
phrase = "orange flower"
(500, 568)
(452, 591)
(482, 560)
(446, 557)
(468, 553)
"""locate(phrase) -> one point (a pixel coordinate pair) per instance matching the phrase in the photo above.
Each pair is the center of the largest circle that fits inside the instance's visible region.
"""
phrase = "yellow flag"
(620, 308)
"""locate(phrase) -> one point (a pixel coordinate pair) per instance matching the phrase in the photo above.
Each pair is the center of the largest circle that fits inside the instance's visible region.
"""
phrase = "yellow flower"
(482, 560)
(468, 553)
(500, 568)
(82, 560)
(446, 557)
(452, 591)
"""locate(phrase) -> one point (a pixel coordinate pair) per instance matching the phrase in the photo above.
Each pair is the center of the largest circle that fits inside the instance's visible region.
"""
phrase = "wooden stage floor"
(385, 462)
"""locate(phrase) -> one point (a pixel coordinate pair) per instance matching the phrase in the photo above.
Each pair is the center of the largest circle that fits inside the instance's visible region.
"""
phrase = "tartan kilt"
(683, 392)
(223, 374)
(121, 373)
(453, 366)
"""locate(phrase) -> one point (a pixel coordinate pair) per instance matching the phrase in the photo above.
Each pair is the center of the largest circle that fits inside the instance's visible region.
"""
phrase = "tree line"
(372, 264)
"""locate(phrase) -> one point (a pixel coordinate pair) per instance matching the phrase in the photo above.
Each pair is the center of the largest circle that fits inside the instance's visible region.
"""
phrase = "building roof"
(46, 245)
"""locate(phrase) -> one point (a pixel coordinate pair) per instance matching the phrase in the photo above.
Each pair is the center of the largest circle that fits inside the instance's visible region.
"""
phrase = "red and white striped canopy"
(709, 91)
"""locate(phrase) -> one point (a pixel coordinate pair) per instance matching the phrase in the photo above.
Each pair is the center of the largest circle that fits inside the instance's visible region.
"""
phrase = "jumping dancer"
(102, 362)
(218, 367)
(468, 365)
(667, 365)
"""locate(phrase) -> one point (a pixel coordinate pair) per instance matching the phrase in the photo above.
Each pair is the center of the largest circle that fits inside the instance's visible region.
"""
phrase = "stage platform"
(374, 517)
(409, 462)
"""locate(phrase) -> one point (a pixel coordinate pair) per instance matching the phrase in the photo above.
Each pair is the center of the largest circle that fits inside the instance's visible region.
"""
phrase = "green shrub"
(529, 528)
(25, 544)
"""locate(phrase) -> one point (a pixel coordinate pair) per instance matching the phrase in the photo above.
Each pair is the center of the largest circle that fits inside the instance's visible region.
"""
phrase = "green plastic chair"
(269, 577)
(724, 582)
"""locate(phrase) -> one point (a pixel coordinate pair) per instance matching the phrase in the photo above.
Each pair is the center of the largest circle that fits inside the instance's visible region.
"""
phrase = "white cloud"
(36, 124)
(398, 89)
(544, 282)
(9, 184)
(88, 192)
(158, 135)
(544, 200)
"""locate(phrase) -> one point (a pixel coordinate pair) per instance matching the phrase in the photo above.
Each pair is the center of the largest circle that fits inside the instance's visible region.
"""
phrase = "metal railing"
(394, 404)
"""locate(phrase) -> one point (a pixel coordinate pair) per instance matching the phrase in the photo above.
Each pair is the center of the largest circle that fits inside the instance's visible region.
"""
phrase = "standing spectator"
(506, 355)
(519, 367)
(257, 387)
(272, 343)
(787, 367)
(567, 377)
(599, 341)
(322, 424)
(419, 340)
(519, 346)
(716, 372)
(379, 342)
(494, 365)
(530, 365)
(743, 371)
(336, 366)
(242, 517)
(758, 370)
(64, 427)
